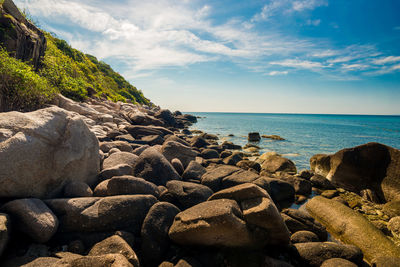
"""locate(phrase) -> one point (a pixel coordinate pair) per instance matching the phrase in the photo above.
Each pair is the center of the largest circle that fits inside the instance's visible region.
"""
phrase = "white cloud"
(355, 66)
(275, 73)
(315, 22)
(308, 4)
(385, 60)
(296, 63)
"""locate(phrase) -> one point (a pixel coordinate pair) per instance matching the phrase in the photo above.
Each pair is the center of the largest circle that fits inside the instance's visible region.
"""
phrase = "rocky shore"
(117, 184)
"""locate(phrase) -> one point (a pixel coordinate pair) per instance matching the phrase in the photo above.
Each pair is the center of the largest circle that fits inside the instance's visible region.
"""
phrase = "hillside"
(35, 65)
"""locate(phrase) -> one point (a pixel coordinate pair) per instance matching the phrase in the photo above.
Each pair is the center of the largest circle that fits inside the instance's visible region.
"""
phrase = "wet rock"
(154, 167)
(119, 158)
(347, 224)
(65, 150)
(254, 137)
(193, 171)
(94, 214)
(185, 194)
(273, 137)
(315, 253)
(154, 233)
(115, 244)
(304, 237)
(301, 186)
(77, 189)
(211, 223)
(125, 185)
(306, 174)
(166, 116)
(371, 166)
(172, 150)
(32, 217)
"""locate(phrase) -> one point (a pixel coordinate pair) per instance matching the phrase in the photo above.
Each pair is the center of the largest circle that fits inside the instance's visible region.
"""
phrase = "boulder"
(211, 223)
(392, 208)
(166, 116)
(139, 118)
(298, 220)
(138, 131)
(4, 231)
(118, 170)
(351, 227)
(185, 194)
(386, 261)
(371, 166)
(177, 139)
(209, 154)
(178, 166)
(304, 237)
(198, 142)
(229, 145)
(248, 165)
(119, 158)
(282, 193)
(153, 140)
(115, 244)
(273, 137)
(193, 171)
(41, 151)
(276, 163)
(301, 186)
(32, 217)
(233, 159)
(77, 189)
(140, 149)
(254, 137)
(315, 253)
(95, 214)
(394, 226)
(172, 150)
(121, 145)
(154, 233)
(335, 262)
(125, 185)
(321, 182)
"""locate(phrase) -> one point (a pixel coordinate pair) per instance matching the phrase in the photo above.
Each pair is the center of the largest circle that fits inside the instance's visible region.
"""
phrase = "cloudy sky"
(280, 56)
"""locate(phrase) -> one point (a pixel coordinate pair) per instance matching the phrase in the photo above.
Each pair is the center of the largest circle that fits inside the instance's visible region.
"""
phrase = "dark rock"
(321, 182)
(139, 118)
(102, 214)
(185, 194)
(190, 118)
(138, 131)
(193, 171)
(301, 186)
(166, 116)
(371, 166)
(233, 159)
(125, 185)
(4, 231)
(154, 233)
(297, 220)
(115, 244)
(125, 138)
(119, 158)
(76, 246)
(254, 137)
(140, 149)
(178, 166)
(19, 36)
(198, 142)
(209, 154)
(119, 170)
(209, 136)
(153, 140)
(304, 237)
(281, 192)
(154, 167)
(230, 145)
(77, 189)
(32, 217)
(273, 137)
(248, 164)
(306, 174)
(177, 139)
(172, 150)
(186, 132)
(225, 154)
(315, 253)
(121, 145)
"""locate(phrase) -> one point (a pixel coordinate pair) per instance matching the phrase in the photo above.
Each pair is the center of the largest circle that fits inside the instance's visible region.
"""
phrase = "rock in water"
(254, 137)
(351, 227)
(41, 151)
(371, 166)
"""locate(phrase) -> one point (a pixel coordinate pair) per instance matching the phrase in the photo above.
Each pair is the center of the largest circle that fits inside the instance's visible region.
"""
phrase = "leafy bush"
(21, 88)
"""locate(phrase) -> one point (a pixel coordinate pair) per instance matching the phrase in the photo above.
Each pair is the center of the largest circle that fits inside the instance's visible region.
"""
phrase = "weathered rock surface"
(178, 166)
(41, 151)
(119, 158)
(304, 237)
(154, 233)
(351, 227)
(32, 217)
(115, 245)
(126, 185)
(77, 189)
(315, 253)
(93, 214)
(276, 163)
(254, 137)
(371, 166)
(4, 231)
(211, 223)
(172, 149)
(154, 167)
(138, 131)
(121, 145)
(194, 171)
(335, 262)
(119, 170)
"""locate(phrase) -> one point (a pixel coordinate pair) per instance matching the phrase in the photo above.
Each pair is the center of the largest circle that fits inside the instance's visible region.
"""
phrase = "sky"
(267, 56)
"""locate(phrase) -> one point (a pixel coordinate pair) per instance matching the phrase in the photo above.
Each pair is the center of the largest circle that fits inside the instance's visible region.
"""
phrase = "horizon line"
(289, 113)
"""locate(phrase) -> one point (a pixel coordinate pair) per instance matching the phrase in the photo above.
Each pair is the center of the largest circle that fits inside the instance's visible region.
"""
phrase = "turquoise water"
(305, 134)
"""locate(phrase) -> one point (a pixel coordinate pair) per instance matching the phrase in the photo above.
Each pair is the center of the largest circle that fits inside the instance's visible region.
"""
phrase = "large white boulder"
(41, 151)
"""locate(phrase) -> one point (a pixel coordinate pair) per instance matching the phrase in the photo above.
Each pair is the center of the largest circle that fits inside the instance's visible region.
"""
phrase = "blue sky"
(280, 56)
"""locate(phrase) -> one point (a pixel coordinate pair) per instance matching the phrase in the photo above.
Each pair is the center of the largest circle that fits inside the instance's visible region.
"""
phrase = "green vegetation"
(21, 88)
(63, 70)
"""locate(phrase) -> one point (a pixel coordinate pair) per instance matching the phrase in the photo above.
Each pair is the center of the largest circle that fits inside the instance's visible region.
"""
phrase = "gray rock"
(65, 151)
(119, 158)
(172, 150)
(77, 189)
(95, 214)
(198, 142)
(119, 170)
(177, 139)
(140, 149)
(154, 233)
(126, 185)
(153, 140)
(154, 167)
(138, 131)
(32, 217)
(121, 145)
(193, 171)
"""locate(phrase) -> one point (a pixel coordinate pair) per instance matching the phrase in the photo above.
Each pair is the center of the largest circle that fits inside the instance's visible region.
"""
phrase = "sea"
(305, 134)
